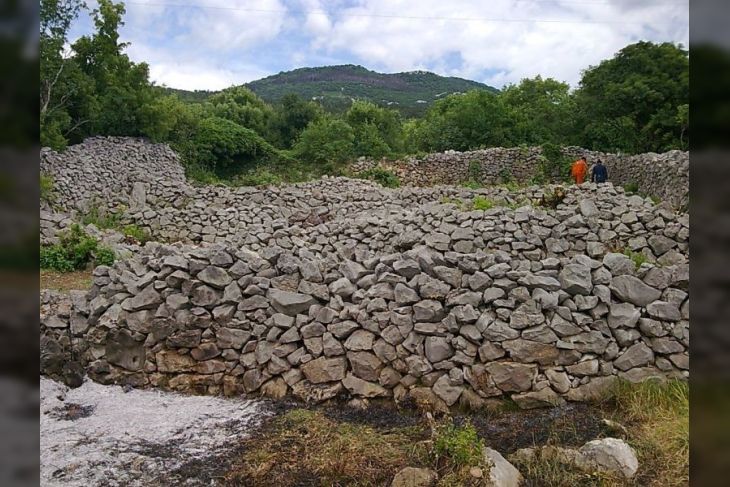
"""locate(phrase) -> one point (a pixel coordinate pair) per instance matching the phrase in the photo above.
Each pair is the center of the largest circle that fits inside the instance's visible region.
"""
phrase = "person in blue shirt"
(599, 173)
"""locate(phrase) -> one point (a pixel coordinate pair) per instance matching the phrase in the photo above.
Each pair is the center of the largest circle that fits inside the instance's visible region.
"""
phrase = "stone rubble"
(395, 292)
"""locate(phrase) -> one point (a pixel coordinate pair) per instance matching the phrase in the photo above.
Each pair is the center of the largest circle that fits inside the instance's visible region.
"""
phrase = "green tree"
(326, 144)
(630, 102)
(57, 72)
(378, 131)
(291, 116)
(543, 109)
(468, 121)
(241, 106)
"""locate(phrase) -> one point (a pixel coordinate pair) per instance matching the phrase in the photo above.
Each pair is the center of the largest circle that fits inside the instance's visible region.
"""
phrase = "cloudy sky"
(212, 44)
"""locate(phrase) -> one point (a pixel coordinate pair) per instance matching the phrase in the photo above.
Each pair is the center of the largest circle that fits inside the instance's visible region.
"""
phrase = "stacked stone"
(539, 316)
(663, 176)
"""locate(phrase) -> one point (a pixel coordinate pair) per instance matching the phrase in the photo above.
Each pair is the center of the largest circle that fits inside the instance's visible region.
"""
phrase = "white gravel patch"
(132, 438)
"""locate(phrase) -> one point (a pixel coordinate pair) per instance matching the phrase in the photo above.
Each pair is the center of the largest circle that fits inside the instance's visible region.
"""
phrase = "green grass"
(631, 188)
(104, 220)
(47, 185)
(637, 257)
(460, 444)
(385, 178)
(482, 203)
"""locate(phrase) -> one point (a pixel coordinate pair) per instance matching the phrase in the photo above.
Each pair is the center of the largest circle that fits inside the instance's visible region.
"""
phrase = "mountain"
(335, 87)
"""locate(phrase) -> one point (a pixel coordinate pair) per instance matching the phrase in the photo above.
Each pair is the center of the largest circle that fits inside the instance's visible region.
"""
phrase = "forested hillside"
(635, 102)
(336, 87)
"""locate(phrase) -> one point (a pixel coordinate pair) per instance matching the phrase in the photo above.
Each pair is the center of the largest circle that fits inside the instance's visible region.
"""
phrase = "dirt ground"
(65, 281)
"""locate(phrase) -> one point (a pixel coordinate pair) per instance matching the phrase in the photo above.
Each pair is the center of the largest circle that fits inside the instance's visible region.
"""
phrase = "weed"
(637, 257)
(471, 184)
(554, 199)
(102, 219)
(136, 233)
(385, 178)
(104, 256)
(261, 176)
(505, 175)
(482, 203)
(631, 188)
(460, 444)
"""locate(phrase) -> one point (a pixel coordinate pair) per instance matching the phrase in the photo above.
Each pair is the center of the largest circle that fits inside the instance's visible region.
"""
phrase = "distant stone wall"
(664, 176)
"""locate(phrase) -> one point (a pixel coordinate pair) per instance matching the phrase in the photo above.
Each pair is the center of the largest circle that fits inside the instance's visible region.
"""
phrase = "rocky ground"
(108, 436)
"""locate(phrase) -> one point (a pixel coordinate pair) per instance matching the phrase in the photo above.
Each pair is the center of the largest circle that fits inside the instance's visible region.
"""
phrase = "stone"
(446, 391)
(437, 349)
(512, 376)
(662, 310)
(610, 455)
(624, 315)
(365, 365)
(290, 303)
(521, 350)
(501, 472)
(543, 398)
(635, 356)
(360, 340)
(123, 350)
(215, 277)
(148, 298)
(363, 388)
(633, 290)
(325, 370)
(576, 279)
(414, 477)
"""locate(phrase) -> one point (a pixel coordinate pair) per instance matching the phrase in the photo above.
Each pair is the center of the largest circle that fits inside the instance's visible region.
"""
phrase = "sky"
(213, 44)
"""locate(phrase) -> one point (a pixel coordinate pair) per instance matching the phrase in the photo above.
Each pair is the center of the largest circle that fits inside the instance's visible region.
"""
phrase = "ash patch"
(71, 411)
(378, 414)
(569, 425)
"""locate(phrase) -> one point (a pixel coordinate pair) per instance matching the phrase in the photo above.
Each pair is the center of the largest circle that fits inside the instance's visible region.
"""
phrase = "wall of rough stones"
(664, 176)
(430, 300)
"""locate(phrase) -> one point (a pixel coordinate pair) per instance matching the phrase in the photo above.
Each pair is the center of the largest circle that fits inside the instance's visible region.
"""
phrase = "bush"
(101, 219)
(104, 256)
(631, 188)
(47, 188)
(326, 145)
(74, 251)
(381, 176)
(459, 443)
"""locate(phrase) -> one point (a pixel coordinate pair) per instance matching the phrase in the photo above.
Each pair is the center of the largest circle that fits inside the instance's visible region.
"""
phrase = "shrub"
(482, 203)
(46, 188)
(505, 175)
(74, 251)
(631, 188)
(104, 256)
(326, 144)
(459, 443)
(381, 176)
(472, 184)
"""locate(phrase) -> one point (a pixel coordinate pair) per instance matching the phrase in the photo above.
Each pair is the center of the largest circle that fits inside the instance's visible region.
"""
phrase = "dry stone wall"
(664, 176)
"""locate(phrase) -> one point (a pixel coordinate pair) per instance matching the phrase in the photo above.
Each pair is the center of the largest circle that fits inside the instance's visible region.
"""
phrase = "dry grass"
(657, 418)
(306, 448)
(65, 281)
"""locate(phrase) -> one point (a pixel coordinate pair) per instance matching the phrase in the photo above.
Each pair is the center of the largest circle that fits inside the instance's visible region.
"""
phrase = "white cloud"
(572, 37)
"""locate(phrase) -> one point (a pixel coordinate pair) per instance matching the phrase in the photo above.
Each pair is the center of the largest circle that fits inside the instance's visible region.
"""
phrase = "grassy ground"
(336, 445)
(65, 281)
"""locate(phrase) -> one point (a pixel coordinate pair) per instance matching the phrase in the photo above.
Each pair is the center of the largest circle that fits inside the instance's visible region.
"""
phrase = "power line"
(404, 17)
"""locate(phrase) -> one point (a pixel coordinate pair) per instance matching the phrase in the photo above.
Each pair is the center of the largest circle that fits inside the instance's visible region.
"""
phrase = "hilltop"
(336, 86)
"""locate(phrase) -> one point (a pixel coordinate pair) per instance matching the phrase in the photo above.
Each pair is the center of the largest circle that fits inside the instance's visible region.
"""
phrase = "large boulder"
(501, 472)
(325, 369)
(576, 279)
(632, 289)
(609, 455)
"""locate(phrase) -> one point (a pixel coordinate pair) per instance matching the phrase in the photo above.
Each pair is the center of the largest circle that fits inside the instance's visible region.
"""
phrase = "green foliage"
(334, 88)
(226, 148)
(378, 131)
(326, 145)
(102, 219)
(74, 251)
(505, 175)
(553, 166)
(637, 257)
(291, 116)
(467, 121)
(136, 233)
(552, 200)
(631, 102)
(631, 188)
(242, 107)
(471, 184)
(261, 176)
(543, 109)
(482, 203)
(381, 176)
(46, 190)
(459, 443)
(104, 256)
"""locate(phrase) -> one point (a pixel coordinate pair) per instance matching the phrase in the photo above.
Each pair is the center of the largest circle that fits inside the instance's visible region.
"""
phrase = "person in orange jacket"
(579, 169)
